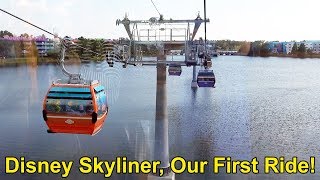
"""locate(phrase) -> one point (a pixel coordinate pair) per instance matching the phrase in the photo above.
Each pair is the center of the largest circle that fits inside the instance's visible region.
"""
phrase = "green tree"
(244, 48)
(294, 49)
(100, 48)
(87, 54)
(17, 49)
(5, 32)
(53, 53)
(4, 48)
(20, 48)
(81, 42)
(309, 51)
(302, 50)
(228, 45)
(265, 50)
(25, 35)
(33, 49)
(255, 48)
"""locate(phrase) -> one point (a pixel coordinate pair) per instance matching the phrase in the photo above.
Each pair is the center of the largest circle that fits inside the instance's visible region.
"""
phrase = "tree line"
(261, 48)
(16, 49)
(265, 49)
(93, 49)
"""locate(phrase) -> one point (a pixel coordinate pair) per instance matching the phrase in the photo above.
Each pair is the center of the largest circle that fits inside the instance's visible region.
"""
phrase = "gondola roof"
(83, 82)
(206, 73)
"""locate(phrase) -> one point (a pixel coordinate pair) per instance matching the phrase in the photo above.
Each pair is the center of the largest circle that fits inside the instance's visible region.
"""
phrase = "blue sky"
(282, 20)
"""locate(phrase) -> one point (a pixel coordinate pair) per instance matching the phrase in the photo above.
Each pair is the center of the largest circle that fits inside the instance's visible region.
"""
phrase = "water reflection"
(32, 69)
(260, 107)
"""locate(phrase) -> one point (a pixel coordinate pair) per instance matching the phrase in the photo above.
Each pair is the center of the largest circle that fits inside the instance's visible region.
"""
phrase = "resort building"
(288, 47)
(276, 47)
(316, 47)
(43, 45)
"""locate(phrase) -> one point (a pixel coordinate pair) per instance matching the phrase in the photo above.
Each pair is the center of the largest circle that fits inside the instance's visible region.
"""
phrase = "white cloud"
(44, 13)
(38, 5)
(63, 8)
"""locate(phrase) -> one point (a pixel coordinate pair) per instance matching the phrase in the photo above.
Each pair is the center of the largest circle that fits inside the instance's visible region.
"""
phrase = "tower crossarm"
(171, 21)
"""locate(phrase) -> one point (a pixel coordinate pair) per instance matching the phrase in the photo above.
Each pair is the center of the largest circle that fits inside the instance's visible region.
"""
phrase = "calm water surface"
(260, 107)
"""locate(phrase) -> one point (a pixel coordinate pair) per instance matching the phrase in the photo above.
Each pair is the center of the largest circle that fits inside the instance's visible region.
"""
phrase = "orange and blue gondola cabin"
(75, 108)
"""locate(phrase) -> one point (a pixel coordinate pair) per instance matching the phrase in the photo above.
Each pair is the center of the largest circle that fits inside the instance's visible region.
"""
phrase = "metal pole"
(186, 48)
(205, 28)
(161, 146)
(194, 79)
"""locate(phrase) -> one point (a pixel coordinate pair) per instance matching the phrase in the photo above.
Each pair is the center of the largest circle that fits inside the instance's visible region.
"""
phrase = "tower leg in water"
(161, 145)
(194, 83)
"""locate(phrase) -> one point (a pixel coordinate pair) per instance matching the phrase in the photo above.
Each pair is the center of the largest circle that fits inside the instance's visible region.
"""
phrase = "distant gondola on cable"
(206, 78)
(207, 62)
(174, 70)
(191, 59)
(75, 105)
(201, 55)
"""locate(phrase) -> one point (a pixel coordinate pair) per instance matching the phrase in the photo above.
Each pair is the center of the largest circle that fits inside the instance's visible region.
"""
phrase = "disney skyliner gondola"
(206, 77)
(174, 70)
(74, 105)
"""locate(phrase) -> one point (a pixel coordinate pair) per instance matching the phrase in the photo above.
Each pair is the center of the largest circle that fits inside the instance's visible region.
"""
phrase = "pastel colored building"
(287, 46)
(316, 47)
(43, 45)
(276, 47)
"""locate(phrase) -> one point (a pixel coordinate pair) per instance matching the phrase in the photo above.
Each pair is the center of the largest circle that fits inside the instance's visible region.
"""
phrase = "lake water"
(260, 107)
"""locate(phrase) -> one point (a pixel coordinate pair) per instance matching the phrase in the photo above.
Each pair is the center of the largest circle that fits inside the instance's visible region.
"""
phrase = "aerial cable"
(156, 8)
(161, 15)
(27, 22)
(205, 26)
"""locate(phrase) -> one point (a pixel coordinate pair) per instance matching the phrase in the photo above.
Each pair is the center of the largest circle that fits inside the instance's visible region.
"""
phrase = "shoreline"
(40, 61)
(27, 60)
(310, 56)
(313, 56)
(32, 61)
